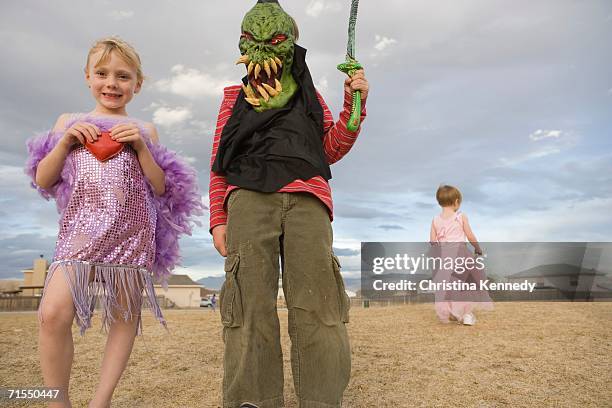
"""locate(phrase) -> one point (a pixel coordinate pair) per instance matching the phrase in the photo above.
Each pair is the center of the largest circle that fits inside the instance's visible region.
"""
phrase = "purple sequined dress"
(107, 245)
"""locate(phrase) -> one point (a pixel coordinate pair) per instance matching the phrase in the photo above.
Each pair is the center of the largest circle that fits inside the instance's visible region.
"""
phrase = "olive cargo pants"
(295, 227)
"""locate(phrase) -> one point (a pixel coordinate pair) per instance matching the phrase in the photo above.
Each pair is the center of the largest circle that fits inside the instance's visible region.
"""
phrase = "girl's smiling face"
(113, 83)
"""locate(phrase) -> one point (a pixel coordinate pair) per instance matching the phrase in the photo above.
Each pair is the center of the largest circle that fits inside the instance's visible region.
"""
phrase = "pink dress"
(452, 244)
(115, 236)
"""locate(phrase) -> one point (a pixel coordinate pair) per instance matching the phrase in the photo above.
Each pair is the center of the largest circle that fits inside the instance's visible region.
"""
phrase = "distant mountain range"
(215, 283)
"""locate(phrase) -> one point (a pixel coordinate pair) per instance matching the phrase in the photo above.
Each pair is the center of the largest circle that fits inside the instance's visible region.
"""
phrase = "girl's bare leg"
(117, 352)
(55, 336)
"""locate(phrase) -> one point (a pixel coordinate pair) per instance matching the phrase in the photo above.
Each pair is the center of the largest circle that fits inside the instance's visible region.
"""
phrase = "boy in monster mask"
(270, 200)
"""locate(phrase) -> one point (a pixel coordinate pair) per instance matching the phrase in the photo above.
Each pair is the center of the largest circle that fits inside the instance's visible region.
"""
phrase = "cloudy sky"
(510, 101)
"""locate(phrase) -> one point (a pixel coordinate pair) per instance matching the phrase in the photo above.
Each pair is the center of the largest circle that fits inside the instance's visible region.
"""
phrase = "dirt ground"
(520, 355)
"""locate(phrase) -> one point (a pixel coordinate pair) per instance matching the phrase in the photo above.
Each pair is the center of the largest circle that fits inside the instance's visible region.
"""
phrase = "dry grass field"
(520, 355)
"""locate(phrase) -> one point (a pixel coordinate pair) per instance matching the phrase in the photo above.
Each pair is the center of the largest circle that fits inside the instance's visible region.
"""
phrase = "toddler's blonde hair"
(448, 195)
(124, 50)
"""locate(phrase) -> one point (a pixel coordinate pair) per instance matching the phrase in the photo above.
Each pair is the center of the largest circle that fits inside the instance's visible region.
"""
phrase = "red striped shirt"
(337, 142)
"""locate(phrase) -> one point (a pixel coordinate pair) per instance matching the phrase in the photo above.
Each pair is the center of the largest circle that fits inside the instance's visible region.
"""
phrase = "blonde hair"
(124, 50)
(448, 195)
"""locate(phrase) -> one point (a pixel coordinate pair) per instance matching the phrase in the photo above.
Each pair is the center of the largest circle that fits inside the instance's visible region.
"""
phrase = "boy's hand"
(357, 83)
(218, 234)
(81, 132)
(128, 133)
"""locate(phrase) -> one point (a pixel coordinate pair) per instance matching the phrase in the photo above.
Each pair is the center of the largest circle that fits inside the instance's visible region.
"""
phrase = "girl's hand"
(128, 133)
(81, 132)
(219, 234)
(357, 82)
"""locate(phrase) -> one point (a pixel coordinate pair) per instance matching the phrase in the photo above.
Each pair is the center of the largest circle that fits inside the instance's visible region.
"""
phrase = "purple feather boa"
(177, 208)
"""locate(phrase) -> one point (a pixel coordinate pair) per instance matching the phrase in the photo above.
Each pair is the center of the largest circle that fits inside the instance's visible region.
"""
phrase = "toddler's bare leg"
(117, 351)
(55, 335)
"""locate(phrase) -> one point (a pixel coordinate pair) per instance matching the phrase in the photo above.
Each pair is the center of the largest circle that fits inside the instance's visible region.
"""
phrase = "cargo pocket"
(229, 298)
(345, 301)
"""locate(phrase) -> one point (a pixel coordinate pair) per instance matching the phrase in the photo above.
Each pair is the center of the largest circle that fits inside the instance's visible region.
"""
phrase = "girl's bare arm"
(470, 234)
(432, 234)
(150, 168)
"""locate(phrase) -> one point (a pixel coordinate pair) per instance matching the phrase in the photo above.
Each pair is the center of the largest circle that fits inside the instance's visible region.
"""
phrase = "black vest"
(265, 151)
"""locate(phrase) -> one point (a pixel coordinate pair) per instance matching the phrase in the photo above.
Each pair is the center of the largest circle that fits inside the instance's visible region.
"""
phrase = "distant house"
(206, 293)
(605, 283)
(182, 291)
(10, 287)
(34, 279)
(16, 294)
(565, 277)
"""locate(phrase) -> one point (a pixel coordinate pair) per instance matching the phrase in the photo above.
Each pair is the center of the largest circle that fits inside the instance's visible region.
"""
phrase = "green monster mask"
(267, 46)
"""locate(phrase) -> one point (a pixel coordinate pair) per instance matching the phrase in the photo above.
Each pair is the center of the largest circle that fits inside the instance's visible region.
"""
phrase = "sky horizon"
(509, 101)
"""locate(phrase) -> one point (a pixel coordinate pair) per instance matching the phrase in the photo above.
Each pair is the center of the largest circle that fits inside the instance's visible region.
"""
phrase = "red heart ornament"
(105, 147)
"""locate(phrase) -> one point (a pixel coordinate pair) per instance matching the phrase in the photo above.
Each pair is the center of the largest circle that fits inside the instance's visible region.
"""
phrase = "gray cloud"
(346, 252)
(389, 227)
(361, 212)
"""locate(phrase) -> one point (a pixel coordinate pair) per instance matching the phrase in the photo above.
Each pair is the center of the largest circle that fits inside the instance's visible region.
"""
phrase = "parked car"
(205, 302)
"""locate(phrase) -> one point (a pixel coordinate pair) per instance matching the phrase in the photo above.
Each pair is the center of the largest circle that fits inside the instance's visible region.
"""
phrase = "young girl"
(449, 231)
(121, 215)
